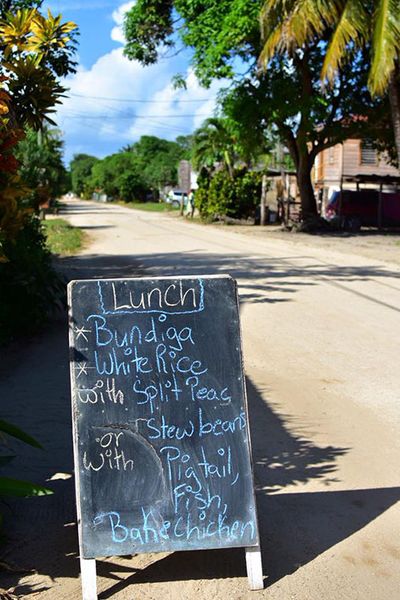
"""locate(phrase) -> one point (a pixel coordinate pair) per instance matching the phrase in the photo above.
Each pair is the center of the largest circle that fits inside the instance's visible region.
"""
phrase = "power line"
(165, 127)
(109, 117)
(152, 122)
(139, 101)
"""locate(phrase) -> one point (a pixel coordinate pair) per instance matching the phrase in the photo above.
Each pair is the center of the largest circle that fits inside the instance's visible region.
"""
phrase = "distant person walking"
(190, 205)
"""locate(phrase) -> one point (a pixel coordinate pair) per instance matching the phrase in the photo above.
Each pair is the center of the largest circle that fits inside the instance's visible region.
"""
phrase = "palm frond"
(291, 23)
(385, 45)
(352, 26)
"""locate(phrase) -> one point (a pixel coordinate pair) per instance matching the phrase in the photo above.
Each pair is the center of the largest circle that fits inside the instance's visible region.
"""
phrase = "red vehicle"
(352, 210)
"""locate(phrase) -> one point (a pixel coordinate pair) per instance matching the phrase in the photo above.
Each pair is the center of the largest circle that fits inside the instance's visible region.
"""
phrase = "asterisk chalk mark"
(80, 331)
(82, 368)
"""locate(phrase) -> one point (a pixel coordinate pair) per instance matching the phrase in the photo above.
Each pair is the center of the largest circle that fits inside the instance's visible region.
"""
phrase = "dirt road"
(321, 343)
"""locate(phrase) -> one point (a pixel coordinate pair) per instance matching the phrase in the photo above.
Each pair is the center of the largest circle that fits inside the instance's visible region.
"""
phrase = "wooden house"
(346, 163)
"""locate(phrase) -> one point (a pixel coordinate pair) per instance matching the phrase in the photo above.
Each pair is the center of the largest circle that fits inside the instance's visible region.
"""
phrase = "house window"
(331, 155)
(368, 154)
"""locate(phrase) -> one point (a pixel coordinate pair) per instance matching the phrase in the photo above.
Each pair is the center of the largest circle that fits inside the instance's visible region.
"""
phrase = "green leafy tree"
(289, 99)
(133, 173)
(218, 33)
(185, 143)
(374, 24)
(81, 171)
(118, 176)
(158, 160)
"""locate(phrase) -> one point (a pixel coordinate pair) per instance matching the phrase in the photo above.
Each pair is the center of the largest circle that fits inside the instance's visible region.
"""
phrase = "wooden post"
(263, 197)
(254, 568)
(88, 579)
(380, 208)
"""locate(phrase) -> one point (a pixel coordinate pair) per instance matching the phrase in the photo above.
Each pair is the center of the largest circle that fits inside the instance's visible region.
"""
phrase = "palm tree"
(213, 143)
(375, 24)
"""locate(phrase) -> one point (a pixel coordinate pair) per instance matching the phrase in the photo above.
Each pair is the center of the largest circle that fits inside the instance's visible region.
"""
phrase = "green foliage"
(288, 100)
(14, 5)
(36, 51)
(234, 196)
(145, 37)
(138, 170)
(232, 25)
(41, 166)
(185, 144)
(17, 433)
(373, 27)
(214, 143)
(158, 160)
(375, 24)
(81, 170)
(29, 287)
(14, 487)
(118, 176)
(61, 237)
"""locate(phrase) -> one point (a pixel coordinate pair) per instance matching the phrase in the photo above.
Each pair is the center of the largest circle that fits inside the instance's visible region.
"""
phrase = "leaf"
(385, 45)
(19, 434)
(14, 487)
(352, 26)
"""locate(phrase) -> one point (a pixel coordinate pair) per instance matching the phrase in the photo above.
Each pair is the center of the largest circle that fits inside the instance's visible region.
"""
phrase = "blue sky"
(113, 101)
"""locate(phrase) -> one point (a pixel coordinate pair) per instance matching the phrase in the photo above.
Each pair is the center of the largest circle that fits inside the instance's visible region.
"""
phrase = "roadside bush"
(235, 197)
(29, 287)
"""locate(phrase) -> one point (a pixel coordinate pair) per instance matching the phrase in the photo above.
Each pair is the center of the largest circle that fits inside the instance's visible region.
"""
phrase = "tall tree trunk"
(394, 99)
(307, 196)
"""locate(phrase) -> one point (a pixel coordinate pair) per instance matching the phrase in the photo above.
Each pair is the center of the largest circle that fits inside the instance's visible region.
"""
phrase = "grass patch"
(62, 238)
(149, 206)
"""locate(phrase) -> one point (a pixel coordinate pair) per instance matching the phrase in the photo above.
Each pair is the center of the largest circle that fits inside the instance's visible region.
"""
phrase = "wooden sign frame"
(79, 329)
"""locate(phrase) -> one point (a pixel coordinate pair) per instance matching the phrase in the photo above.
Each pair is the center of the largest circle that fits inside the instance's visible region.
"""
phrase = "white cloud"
(117, 33)
(116, 101)
(176, 111)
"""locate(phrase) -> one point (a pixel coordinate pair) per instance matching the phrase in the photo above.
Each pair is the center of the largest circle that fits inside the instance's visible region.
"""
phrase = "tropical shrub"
(40, 156)
(35, 51)
(235, 196)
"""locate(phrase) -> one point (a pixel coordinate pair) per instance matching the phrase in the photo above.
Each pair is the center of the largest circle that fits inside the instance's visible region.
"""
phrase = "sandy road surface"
(321, 344)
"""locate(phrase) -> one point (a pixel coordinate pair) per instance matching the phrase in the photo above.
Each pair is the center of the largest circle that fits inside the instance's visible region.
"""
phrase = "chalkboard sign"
(162, 456)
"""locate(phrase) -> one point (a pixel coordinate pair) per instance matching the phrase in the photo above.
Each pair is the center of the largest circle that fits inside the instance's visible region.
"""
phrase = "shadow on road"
(267, 280)
(91, 207)
(295, 527)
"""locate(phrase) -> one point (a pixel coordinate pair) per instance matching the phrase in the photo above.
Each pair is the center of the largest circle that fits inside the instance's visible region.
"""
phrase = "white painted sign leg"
(88, 579)
(254, 568)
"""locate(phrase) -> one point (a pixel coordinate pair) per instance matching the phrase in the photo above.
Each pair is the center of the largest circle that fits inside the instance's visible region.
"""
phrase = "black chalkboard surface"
(161, 441)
